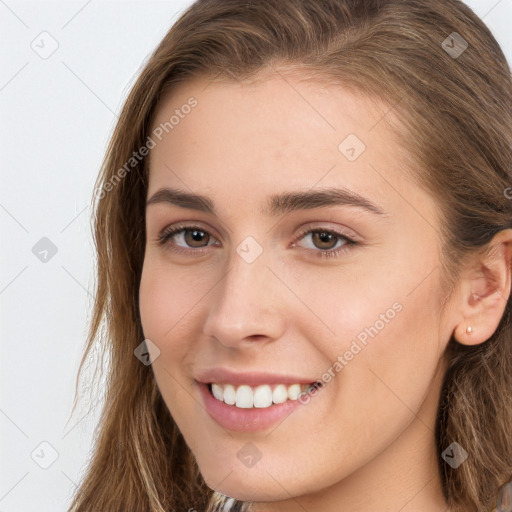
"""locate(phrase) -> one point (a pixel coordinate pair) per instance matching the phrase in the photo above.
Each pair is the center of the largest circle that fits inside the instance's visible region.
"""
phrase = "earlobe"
(485, 291)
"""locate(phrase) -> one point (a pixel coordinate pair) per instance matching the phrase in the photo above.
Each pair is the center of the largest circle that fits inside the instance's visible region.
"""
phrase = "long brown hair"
(455, 125)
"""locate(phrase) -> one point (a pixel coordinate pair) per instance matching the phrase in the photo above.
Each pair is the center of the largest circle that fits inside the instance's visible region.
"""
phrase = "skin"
(366, 441)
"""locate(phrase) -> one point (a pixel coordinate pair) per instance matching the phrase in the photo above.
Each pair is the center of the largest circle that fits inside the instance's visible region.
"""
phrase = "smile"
(245, 408)
(247, 397)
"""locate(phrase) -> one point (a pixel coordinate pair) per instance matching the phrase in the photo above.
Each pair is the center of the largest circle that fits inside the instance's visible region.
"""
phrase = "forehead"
(277, 133)
(301, 105)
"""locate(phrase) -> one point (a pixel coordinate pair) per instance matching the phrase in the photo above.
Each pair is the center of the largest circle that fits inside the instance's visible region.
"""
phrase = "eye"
(190, 236)
(193, 239)
(327, 241)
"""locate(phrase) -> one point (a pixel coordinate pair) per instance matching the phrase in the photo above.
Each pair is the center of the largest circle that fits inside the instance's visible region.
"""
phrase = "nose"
(247, 305)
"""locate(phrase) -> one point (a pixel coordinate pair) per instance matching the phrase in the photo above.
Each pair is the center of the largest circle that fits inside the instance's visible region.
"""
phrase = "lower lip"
(237, 419)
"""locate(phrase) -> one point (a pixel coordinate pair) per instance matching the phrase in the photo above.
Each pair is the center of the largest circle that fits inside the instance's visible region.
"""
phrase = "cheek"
(163, 307)
(171, 302)
(385, 350)
(392, 372)
(166, 300)
(155, 304)
(379, 385)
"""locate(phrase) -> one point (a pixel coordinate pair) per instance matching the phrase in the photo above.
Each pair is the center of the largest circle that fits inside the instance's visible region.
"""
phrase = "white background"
(56, 118)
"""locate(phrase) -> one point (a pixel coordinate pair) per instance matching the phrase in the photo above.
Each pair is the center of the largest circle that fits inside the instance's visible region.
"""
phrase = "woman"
(303, 226)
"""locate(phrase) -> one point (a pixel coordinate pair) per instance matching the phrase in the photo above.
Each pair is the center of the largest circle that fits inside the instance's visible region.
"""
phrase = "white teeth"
(244, 397)
(217, 391)
(229, 394)
(280, 394)
(262, 396)
(294, 391)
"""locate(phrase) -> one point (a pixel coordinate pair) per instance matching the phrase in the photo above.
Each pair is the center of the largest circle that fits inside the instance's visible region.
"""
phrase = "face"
(312, 257)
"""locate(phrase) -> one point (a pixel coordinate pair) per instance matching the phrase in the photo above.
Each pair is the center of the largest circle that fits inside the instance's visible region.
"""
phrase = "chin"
(249, 484)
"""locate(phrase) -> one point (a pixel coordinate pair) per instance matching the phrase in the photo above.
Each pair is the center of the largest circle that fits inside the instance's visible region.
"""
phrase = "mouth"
(251, 408)
(251, 401)
(263, 396)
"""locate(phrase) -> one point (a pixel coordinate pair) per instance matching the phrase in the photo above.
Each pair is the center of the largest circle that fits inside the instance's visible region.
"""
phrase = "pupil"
(324, 237)
(196, 236)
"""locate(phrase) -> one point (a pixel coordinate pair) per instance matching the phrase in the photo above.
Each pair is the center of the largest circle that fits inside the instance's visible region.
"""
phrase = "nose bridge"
(246, 303)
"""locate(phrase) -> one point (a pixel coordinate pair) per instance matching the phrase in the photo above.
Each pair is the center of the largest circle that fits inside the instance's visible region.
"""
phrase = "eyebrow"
(277, 204)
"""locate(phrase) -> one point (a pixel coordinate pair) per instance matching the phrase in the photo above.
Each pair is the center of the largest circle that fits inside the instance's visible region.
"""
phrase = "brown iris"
(194, 236)
(324, 237)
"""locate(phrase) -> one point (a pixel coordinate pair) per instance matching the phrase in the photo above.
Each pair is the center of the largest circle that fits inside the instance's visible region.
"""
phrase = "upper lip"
(252, 378)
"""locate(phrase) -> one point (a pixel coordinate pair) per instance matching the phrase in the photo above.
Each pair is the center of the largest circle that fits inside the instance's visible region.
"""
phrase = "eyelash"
(167, 233)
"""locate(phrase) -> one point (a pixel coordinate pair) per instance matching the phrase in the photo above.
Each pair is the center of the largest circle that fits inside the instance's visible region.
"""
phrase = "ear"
(485, 290)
